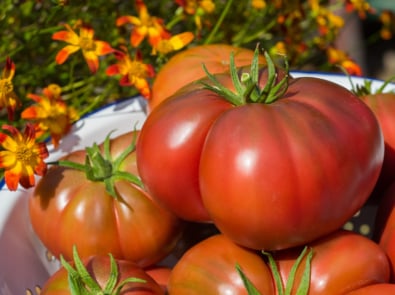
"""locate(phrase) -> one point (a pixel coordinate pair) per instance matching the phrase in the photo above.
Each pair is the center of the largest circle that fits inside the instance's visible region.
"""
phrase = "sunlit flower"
(144, 25)
(134, 72)
(360, 6)
(197, 8)
(176, 42)
(91, 48)
(22, 157)
(50, 113)
(8, 98)
(338, 57)
(258, 4)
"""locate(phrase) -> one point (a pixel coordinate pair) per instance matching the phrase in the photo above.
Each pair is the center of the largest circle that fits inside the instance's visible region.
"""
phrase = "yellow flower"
(176, 42)
(91, 49)
(21, 157)
(8, 98)
(258, 4)
(144, 25)
(134, 72)
(51, 114)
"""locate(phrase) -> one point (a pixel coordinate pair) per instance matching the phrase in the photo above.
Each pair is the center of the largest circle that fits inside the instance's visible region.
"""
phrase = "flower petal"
(64, 53)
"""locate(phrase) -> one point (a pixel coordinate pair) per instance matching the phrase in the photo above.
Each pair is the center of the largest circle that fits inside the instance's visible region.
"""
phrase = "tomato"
(160, 274)
(384, 230)
(375, 289)
(383, 106)
(209, 267)
(68, 209)
(186, 66)
(99, 268)
(270, 175)
(342, 261)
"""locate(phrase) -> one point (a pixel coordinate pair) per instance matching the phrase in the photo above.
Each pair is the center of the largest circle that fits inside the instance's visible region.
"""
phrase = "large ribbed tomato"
(278, 165)
(186, 66)
(66, 209)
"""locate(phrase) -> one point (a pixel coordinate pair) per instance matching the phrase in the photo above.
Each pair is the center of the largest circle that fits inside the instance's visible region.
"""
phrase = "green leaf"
(251, 289)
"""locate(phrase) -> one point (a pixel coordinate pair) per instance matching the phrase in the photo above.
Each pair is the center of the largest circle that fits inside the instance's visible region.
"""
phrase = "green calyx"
(304, 285)
(247, 85)
(100, 167)
(366, 87)
(82, 283)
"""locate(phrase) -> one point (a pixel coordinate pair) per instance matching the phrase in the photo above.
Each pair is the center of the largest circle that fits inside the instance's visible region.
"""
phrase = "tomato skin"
(99, 268)
(180, 152)
(286, 173)
(66, 209)
(342, 261)
(209, 268)
(375, 289)
(383, 106)
(384, 230)
(186, 66)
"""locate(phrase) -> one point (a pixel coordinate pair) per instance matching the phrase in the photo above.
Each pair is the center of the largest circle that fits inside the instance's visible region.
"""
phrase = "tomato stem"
(247, 88)
(100, 167)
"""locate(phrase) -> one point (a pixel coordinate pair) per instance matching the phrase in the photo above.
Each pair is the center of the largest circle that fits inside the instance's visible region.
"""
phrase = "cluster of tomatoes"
(245, 176)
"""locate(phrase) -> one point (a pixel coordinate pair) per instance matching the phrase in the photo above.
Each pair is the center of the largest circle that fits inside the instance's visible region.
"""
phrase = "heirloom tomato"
(342, 262)
(186, 66)
(209, 267)
(383, 106)
(384, 229)
(101, 274)
(104, 214)
(273, 161)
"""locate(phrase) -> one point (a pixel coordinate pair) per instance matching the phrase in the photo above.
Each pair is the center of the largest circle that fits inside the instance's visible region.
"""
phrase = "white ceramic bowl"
(23, 259)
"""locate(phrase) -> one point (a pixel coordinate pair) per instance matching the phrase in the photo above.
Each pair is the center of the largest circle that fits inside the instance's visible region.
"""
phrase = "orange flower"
(134, 72)
(144, 25)
(21, 157)
(51, 114)
(8, 98)
(176, 42)
(91, 49)
(338, 57)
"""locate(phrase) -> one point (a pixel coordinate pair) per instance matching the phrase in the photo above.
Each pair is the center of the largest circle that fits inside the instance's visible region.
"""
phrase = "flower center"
(25, 155)
(137, 69)
(5, 86)
(87, 44)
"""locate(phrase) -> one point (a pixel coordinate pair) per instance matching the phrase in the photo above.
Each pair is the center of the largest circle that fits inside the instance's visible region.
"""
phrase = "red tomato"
(384, 230)
(269, 175)
(99, 268)
(160, 274)
(66, 209)
(342, 262)
(383, 106)
(186, 66)
(376, 289)
(209, 267)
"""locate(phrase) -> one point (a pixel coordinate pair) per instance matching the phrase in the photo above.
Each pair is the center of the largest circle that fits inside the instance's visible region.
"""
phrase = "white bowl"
(24, 262)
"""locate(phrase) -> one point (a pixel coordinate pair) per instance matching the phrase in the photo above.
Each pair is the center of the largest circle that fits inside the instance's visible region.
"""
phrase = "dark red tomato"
(186, 66)
(209, 268)
(384, 230)
(99, 268)
(342, 261)
(67, 209)
(383, 106)
(269, 175)
(376, 289)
